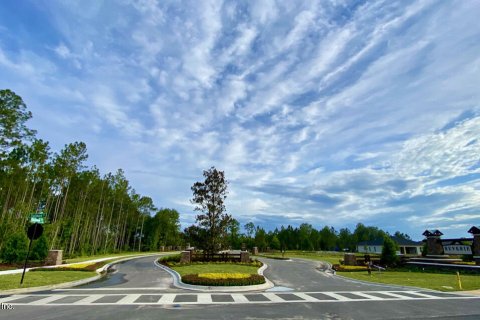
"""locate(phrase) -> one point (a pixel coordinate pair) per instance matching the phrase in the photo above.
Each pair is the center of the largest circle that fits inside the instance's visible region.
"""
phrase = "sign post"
(34, 232)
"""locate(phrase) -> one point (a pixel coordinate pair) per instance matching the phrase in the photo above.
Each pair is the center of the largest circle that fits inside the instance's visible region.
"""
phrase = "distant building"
(405, 246)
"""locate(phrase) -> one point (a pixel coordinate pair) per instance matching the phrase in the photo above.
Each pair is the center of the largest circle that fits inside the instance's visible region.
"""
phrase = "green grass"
(331, 257)
(429, 280)
(215, 268)
(41, 278)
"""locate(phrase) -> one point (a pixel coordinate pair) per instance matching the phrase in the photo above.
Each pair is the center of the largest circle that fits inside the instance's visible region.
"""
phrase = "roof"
(474, 230)
(399, 241)
(428, 233)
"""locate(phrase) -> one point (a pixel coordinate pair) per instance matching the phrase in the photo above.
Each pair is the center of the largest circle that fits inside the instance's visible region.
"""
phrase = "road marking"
(394, 295)
(273, 297)
(305, 297)
(11, 298)
(238, 298)
(422, 294)
(129, 299)
(204, 298)
(167, 298)
(365, 295)
(89, 299)
(47, 299)
(336, 296)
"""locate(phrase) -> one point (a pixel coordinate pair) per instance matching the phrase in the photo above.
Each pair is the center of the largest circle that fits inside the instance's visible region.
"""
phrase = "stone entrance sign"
(434, 244)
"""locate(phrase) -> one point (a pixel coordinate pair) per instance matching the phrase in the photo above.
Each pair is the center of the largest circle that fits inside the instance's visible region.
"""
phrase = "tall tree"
(209, 197)
(13, 115)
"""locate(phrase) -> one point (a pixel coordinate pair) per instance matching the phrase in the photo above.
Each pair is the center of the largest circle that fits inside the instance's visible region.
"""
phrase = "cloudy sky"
(326, 112)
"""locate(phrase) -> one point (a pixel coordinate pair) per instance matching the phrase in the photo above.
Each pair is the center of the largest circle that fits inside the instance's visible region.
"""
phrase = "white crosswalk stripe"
(273, 297)
(204, 298)
(336, 296)
(47, 299)
(167, 298)
(222, 298)
(129, 299)
(89, 299)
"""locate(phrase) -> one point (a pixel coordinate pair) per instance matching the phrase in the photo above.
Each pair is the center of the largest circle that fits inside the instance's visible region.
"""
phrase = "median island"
(225, 272)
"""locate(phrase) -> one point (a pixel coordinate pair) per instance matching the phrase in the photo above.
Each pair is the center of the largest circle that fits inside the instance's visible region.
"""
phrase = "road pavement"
(138, 289)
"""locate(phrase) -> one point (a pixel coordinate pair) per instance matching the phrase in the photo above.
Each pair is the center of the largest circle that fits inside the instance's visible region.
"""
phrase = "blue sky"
(326, 112)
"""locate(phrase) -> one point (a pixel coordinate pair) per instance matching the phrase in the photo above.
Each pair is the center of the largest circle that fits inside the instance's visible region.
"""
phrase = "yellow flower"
(224, 275)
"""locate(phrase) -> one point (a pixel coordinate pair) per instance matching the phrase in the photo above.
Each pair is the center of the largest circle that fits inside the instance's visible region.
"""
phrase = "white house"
(405, 246)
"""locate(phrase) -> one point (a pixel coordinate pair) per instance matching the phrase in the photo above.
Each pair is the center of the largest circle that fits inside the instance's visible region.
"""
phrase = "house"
(405, 246)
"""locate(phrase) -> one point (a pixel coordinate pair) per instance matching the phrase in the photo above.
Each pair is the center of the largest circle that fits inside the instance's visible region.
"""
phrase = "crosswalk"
(221, 298)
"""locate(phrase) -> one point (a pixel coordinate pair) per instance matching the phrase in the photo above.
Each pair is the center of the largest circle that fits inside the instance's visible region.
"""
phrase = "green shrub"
(389, 252)
(39, 249)
(169, 260)
(15, 248)
(196, 280)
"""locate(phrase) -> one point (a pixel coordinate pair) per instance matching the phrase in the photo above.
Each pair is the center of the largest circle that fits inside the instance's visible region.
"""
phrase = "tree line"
(304, 237)
(216, 230)
(86, 212)
(89, 213)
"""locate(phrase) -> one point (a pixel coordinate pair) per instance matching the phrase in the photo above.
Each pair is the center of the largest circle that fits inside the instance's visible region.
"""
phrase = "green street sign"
(37, 217)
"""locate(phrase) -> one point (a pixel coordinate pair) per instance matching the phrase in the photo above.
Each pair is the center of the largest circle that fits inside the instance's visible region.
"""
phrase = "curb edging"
(177, 282)
(101, 272)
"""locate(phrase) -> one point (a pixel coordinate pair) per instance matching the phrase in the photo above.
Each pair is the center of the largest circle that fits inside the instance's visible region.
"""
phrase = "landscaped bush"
(349, 268)
(174, 261)
(15, 248)
(39, 249)
(198, 279)
(169, 260)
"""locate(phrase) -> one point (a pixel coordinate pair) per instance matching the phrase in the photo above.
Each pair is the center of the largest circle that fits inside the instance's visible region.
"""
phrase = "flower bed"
(223, 279)
(76, 267)
(344, 268)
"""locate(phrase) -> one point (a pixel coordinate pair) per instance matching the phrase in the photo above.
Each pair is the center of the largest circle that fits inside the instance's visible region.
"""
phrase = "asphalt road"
(140, 290)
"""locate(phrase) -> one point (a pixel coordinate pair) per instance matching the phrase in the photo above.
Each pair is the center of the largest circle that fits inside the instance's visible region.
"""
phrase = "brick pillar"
(244, 257)
(54, 257)
(476, 248)
(475, 231)
(255, 251)
(434, 246)
(186, 257)
(349, 259)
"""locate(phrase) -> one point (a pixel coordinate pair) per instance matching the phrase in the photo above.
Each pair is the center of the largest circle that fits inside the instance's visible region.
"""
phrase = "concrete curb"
(177, 282)
(101, 272)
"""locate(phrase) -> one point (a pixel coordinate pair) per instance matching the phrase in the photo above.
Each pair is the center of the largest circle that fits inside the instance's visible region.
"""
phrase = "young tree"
(209, 197)
(389, 251)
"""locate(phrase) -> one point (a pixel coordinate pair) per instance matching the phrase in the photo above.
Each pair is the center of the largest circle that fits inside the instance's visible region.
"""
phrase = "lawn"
(435, 281)
(215, 268)
(42, 278)
(329, 256)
